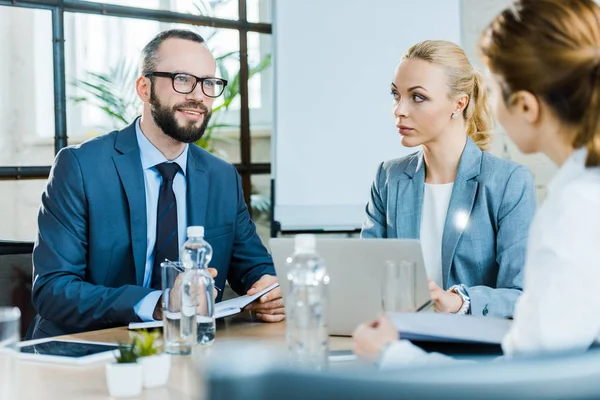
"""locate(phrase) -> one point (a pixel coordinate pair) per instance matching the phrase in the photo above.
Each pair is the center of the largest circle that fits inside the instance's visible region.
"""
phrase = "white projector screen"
(333, 123)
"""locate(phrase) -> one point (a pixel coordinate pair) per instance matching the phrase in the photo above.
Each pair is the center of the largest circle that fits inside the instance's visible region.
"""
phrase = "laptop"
(356, 270)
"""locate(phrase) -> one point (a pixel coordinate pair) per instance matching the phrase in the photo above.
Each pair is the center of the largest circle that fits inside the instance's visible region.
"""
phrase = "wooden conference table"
(53, 381)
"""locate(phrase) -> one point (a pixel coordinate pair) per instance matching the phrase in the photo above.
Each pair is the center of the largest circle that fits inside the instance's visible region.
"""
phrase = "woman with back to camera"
(544, 59)
(470, 210)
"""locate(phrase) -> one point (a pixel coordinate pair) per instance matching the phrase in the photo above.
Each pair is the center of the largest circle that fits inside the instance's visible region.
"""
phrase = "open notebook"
(222, 309)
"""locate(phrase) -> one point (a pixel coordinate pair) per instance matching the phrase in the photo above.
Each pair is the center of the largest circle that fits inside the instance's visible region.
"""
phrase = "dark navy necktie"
(167, 238)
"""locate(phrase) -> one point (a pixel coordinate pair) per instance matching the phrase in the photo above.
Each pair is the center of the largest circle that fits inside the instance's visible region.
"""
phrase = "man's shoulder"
(210, 162)
(100, 145)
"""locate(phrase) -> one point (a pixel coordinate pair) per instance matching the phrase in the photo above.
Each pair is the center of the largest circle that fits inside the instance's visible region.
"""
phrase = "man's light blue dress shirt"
(151, 156)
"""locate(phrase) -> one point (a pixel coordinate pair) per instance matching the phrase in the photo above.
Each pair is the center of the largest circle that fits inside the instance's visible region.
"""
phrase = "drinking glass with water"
(180, 334)
(188, 296)
(398, 286)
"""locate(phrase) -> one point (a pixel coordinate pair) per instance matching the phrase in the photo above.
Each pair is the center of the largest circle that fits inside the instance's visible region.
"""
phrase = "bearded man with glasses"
(116, 206)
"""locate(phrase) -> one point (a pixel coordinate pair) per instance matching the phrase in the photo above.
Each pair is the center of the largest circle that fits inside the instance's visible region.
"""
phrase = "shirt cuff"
(461, 290)
(144, 309)
(402, 353)
(399, 353)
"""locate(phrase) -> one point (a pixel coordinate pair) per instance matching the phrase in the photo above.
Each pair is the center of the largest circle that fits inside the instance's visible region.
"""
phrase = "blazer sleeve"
(250, 259)
(515, 214)
(375, 225)
(60, 292)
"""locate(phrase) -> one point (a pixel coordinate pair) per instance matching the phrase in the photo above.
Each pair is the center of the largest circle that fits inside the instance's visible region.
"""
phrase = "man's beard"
(164, 117)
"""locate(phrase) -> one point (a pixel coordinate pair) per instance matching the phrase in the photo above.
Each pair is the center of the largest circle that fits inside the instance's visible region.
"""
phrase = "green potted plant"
(156, 364)
(124, 376)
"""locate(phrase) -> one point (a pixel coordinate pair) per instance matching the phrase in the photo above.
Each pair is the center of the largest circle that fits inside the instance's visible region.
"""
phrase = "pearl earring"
(454, 115)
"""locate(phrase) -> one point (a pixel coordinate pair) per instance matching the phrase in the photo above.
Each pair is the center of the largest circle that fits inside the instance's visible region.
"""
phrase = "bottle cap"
(305, 243)
(195, 231)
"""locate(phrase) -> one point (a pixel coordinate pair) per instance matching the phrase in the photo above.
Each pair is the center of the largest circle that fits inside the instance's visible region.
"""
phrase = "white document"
(222, 309)
(439, 327)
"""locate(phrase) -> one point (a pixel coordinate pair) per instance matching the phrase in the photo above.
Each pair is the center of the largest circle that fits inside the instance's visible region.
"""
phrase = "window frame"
(246, 167)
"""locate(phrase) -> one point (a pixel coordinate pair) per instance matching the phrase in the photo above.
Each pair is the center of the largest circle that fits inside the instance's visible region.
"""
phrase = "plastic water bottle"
(198, 285)
(306, 306)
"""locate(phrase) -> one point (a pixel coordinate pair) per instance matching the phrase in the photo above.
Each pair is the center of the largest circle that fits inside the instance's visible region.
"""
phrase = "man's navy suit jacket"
(90, 253)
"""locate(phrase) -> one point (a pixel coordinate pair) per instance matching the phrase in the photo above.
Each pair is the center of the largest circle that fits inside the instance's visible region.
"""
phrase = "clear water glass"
(179, 328)
(398, 287)
(188, 308)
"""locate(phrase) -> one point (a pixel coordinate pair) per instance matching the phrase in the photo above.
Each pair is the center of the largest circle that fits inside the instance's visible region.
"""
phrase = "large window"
(67, 71)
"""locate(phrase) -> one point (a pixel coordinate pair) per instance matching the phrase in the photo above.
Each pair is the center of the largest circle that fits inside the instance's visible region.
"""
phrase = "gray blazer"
(488, 255)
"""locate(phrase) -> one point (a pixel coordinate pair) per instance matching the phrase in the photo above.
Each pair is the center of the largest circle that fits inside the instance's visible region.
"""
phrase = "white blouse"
(436, 199)
(559, 308)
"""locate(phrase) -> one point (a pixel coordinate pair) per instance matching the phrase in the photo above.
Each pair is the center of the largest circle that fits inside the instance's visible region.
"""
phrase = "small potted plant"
(156, 364)
(124, 376)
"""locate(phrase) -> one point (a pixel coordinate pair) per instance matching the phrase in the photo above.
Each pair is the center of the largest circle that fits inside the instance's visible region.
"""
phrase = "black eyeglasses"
(186, 83)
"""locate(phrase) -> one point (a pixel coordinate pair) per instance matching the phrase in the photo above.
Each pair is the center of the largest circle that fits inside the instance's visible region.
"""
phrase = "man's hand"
(213, 272)
(270, 307)
(370, 338)
(445, 301)
(158, 312)
(175, 296)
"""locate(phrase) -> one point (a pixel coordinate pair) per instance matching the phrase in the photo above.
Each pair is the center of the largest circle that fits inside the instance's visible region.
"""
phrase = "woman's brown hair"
(462, 79)
(551, 48)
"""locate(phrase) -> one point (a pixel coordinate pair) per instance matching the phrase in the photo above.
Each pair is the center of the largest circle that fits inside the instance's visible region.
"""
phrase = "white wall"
(333, 122)
(312, 148)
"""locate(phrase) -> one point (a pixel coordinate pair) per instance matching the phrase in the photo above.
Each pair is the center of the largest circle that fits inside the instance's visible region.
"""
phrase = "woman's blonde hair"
(462, 79)
(551, 48)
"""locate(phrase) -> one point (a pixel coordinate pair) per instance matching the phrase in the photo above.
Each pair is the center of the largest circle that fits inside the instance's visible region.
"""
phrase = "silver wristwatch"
(466, 306)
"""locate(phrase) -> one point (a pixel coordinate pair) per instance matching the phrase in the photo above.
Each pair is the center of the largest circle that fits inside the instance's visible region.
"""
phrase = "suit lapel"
(461, 204)
(129, 167)
(409, 199)
(197, 188)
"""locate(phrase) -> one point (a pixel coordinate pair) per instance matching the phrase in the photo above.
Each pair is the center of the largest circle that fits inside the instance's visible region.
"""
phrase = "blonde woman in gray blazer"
(470, 210)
